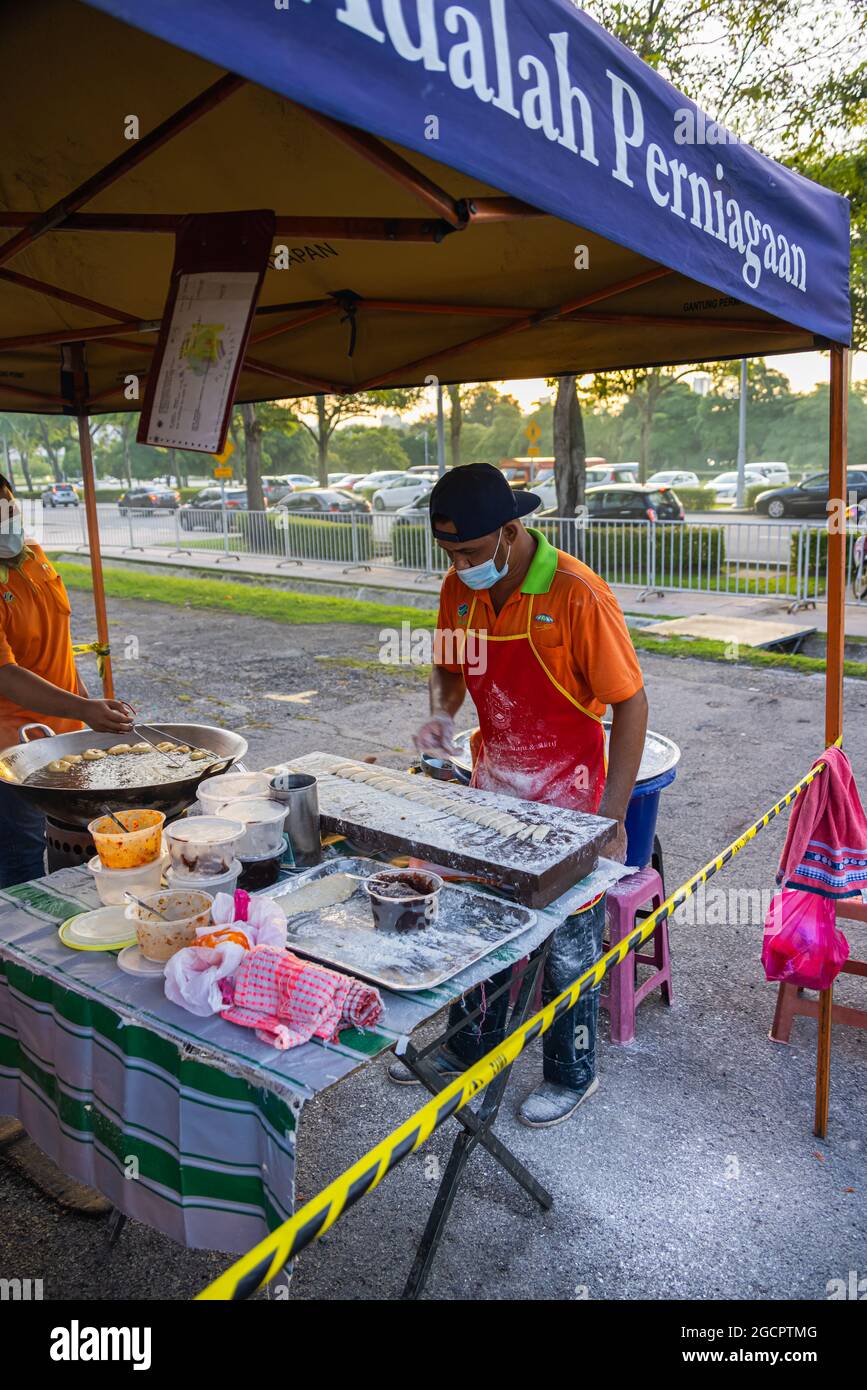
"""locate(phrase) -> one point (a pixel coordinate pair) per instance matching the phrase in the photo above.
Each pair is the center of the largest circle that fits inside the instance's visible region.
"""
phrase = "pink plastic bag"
(803, 945)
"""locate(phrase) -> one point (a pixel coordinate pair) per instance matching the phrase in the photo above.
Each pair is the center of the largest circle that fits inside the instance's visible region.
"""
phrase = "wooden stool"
(641, 889)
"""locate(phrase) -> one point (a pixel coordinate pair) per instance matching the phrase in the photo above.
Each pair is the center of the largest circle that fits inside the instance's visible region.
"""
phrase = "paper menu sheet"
(205, 338)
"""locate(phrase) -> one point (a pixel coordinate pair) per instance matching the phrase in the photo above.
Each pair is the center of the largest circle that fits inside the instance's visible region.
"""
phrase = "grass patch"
(705, 649)
(251, 600)
(358, 663)
(279, 605)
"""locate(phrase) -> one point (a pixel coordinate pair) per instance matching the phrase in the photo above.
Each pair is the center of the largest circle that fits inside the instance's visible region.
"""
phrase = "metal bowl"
(660, 755)
(76, 806)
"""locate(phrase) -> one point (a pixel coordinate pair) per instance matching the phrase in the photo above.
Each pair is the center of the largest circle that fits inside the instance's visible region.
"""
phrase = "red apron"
(535, 741)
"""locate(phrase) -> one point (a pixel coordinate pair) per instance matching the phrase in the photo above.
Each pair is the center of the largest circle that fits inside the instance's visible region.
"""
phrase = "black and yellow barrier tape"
(101, 649)
(312, 1220)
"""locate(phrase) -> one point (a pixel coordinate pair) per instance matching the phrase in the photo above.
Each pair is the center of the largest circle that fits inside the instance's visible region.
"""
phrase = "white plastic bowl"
(214, 792)
(263, 821)
(113, 884)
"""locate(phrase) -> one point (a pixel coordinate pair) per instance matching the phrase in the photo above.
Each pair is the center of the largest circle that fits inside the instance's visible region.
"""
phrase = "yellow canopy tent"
(478, 192)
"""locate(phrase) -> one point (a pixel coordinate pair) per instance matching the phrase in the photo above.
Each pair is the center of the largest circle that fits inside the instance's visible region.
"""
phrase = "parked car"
(321, 504)
(777, 473)
(346, 481)
(809, 497)
(630, 502)
(372, 482)
(60, 495)
(673, 477)
(425, 469)
(148, 500)
(415, 513)
(611, 473)
(205, 511)
(274, 488)
(400, 492)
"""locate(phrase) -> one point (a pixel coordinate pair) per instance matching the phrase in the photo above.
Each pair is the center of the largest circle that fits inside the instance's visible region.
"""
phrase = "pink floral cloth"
(289, 1001)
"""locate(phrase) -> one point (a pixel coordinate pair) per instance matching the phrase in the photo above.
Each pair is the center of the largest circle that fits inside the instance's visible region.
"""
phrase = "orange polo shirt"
(574, 620)
(34, 634)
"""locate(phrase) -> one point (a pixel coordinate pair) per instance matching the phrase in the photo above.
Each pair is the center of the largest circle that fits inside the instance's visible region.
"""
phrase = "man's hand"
(437, 736)
(108, 716)
(617, 847)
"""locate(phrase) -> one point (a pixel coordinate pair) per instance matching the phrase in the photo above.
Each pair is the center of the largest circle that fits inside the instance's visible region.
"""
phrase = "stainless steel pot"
(75, 806)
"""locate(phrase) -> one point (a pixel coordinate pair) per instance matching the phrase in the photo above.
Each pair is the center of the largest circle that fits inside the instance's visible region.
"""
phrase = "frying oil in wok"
(123, 770)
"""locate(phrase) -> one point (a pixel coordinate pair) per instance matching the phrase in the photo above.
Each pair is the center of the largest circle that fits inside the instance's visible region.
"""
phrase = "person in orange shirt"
(38, 679)
(539, 642)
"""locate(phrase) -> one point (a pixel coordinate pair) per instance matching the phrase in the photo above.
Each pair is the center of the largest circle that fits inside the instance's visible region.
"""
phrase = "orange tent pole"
(79, 367)
(837, 442)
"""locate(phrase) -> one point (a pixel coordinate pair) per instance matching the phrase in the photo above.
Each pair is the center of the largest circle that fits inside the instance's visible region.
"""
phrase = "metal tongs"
(144, 729)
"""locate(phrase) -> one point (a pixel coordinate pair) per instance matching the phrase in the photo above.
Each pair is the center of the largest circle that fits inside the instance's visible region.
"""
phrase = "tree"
(570, 449)
(643, 389)
(254, 429)
(455, 423)
(367, 448)
(321, 415)
(787, 75)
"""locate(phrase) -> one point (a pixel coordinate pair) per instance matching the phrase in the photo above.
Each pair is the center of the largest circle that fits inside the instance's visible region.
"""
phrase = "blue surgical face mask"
(11, 532)
(486, 575)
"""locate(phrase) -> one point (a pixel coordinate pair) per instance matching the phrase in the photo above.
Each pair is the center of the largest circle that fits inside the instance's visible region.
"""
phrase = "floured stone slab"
(528, 848)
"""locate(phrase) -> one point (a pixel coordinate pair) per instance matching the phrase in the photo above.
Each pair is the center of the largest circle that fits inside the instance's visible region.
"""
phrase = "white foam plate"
(133, 962)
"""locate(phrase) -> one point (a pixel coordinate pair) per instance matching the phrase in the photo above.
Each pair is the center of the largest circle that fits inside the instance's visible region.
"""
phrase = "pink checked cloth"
(289, 1001)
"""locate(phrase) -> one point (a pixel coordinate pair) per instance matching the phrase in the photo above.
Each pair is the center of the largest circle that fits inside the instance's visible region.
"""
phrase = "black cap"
(477, 498)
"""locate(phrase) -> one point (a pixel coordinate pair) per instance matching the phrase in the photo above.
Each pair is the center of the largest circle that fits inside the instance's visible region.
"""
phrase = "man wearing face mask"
(38, 679)
(539, 642)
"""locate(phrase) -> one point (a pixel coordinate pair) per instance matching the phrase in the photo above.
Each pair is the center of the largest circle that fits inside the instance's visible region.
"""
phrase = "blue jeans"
(22, 839)
(569, 1048)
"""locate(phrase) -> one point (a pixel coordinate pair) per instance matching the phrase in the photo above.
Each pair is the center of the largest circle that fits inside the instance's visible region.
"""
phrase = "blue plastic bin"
(641, 817)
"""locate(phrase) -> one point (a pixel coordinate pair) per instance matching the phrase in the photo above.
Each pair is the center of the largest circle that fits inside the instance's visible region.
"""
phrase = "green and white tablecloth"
(188, 1124)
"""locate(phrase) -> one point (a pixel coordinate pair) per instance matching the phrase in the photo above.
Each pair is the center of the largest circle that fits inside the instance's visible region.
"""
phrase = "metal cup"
(298, 793)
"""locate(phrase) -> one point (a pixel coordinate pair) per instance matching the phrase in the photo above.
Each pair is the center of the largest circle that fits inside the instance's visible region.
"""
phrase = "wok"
(77, 806)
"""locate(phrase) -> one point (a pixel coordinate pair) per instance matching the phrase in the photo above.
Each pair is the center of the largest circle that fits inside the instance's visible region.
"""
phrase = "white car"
(777, 474)
(400, 492)
(673, 478)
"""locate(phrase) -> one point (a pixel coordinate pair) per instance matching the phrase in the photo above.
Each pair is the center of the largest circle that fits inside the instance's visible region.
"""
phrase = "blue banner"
(533, 97)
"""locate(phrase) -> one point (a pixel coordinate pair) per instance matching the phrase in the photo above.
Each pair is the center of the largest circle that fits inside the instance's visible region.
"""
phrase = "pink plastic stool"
(641, 889)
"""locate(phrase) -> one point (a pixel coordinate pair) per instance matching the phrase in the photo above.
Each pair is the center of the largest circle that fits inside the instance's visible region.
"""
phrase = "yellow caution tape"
(101, 649)
(312, 1220)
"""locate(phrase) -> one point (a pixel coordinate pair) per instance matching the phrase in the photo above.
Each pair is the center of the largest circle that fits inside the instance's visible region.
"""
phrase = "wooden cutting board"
(388, 817)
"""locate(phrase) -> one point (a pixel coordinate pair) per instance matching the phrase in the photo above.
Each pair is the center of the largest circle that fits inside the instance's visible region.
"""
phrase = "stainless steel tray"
(470, 925)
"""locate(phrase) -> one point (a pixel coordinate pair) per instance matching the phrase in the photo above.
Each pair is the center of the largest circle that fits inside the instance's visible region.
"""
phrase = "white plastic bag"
(193, 974)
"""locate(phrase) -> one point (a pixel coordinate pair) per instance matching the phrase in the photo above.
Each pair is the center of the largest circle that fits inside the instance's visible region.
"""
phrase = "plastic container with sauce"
(173, 922)
(403, 900)
(212, 884)
(141, 844)
(203, 846)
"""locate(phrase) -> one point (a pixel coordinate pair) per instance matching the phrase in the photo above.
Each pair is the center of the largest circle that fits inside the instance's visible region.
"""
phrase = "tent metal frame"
(449, 216)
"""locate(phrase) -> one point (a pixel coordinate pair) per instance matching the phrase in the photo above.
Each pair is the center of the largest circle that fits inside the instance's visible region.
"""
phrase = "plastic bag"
(264, 920)
(193, 976)
(803, 945)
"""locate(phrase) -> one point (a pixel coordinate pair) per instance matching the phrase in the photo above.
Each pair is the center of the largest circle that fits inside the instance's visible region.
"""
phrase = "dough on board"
(92, 755)
(322, 892)
(436, 796)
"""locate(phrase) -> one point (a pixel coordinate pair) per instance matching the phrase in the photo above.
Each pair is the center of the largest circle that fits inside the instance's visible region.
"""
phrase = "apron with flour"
(534, 741)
